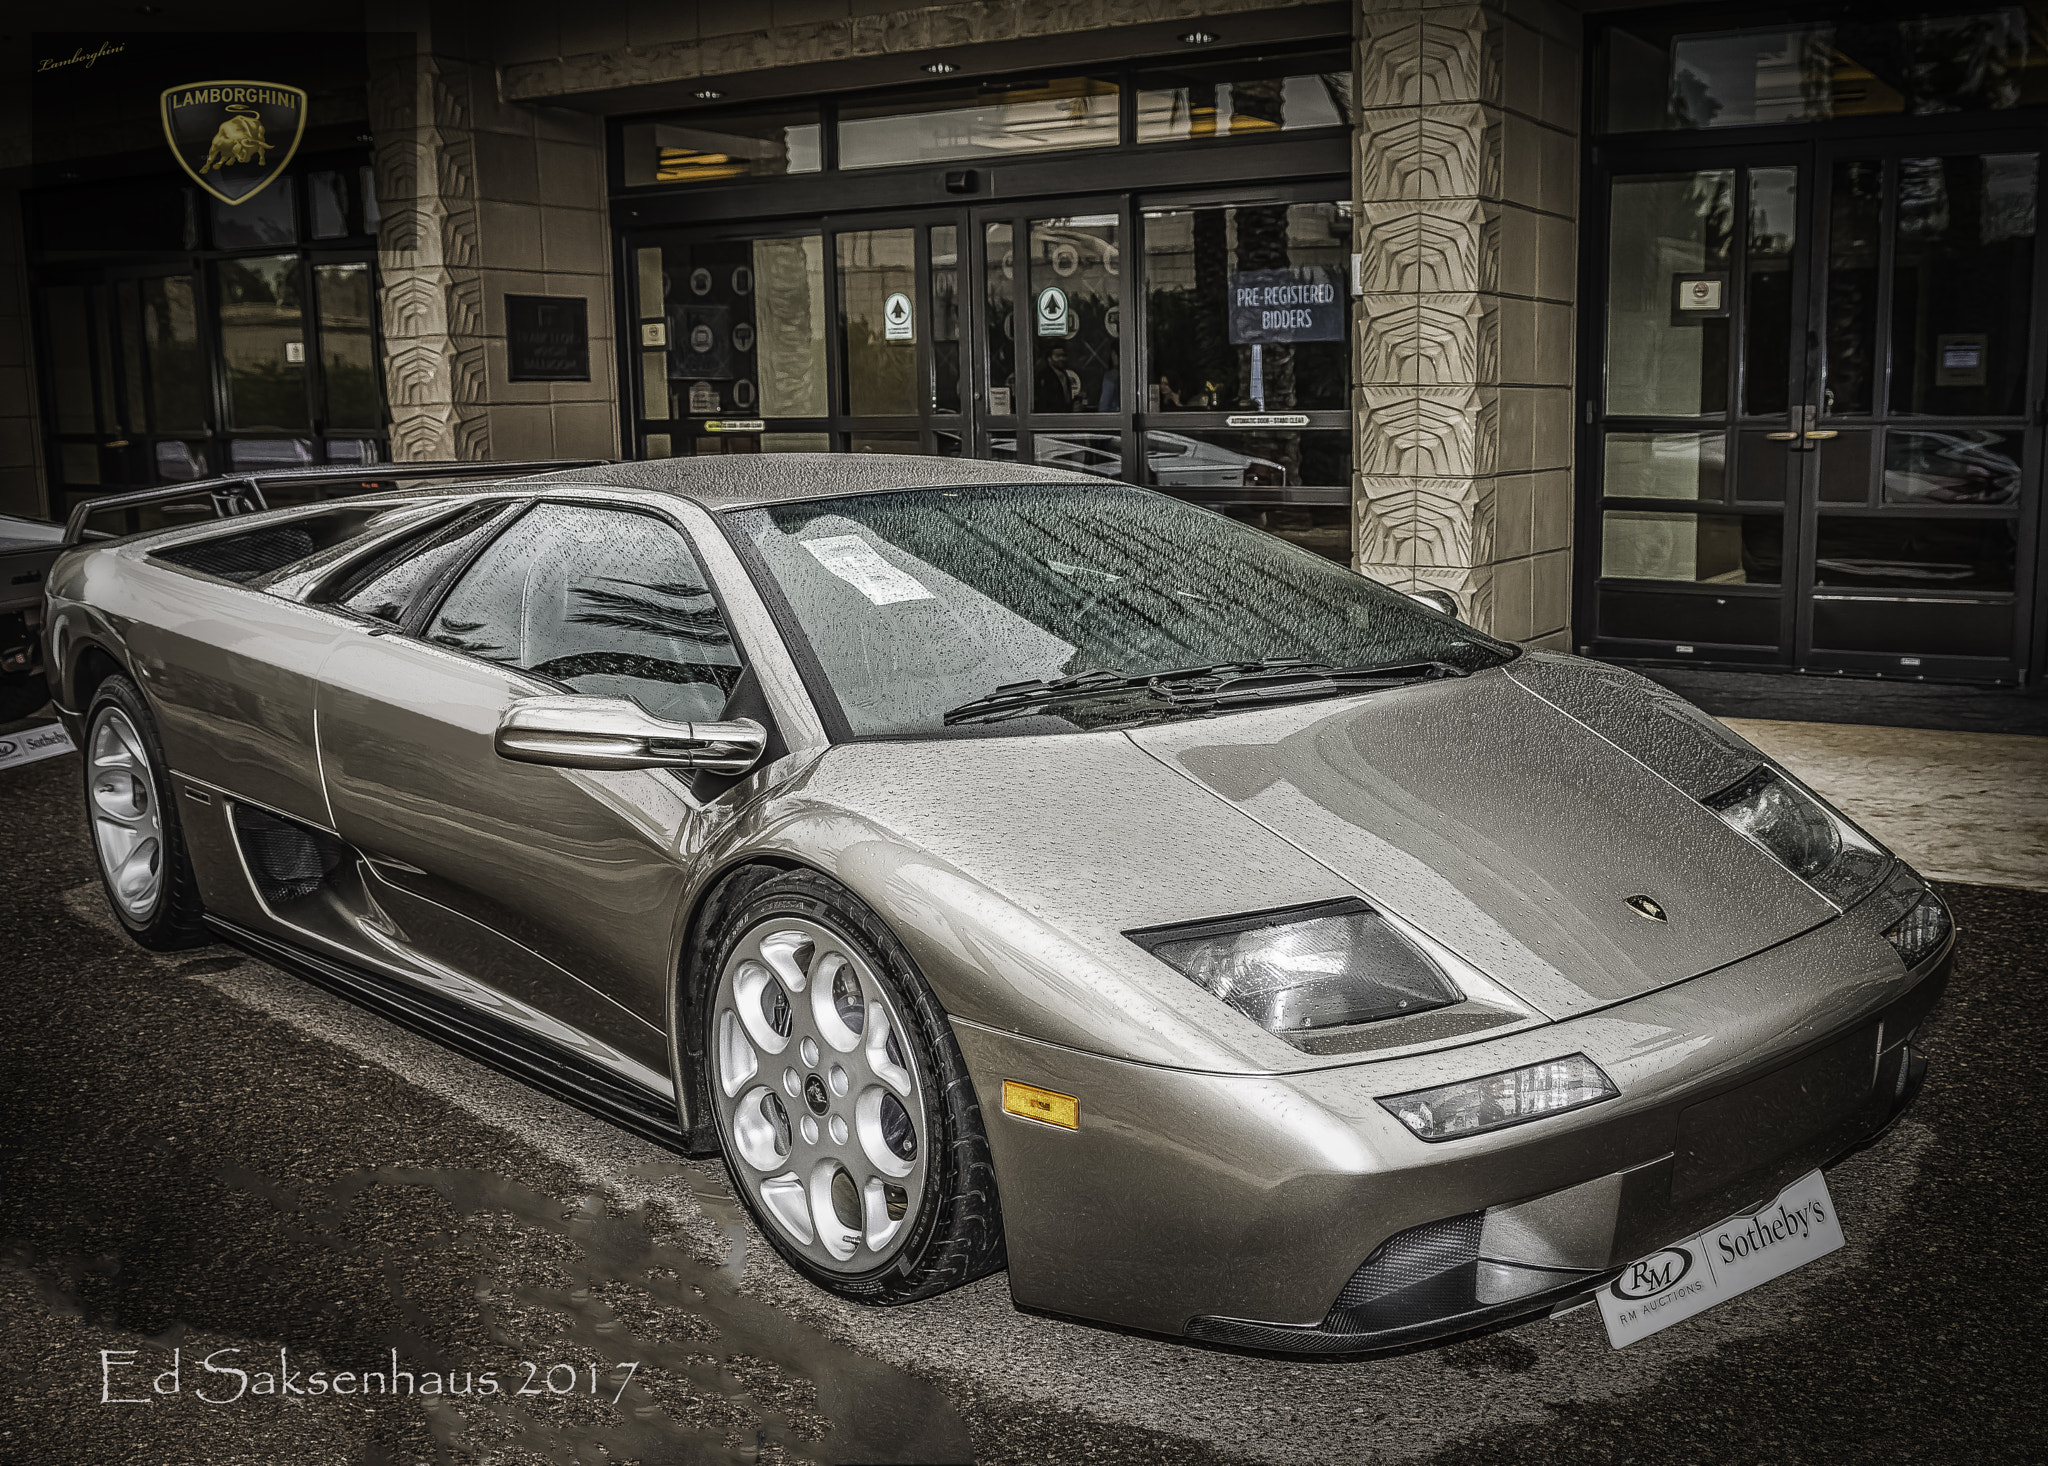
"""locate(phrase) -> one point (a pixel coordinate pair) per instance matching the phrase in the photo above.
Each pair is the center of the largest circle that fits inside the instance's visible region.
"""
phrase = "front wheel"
(845, 1111)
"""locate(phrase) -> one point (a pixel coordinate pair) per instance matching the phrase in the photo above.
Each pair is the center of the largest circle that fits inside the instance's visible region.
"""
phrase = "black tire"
(956, 1232)
(171, 920)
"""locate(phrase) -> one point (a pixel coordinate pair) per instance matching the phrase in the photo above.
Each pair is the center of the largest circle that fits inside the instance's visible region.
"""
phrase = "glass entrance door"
(1198, 345)
(1814, 443)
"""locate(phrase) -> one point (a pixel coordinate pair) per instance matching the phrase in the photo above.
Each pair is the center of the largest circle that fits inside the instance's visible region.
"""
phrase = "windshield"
(930, 602)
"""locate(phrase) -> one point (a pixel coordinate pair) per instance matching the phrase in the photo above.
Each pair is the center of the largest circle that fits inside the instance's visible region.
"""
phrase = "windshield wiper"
(1306, 680)
(1022, 696)
(1216, 685)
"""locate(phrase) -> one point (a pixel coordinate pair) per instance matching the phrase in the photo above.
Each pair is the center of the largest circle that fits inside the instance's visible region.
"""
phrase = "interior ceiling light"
(1201, 38)
(708, 94)
(941, 68)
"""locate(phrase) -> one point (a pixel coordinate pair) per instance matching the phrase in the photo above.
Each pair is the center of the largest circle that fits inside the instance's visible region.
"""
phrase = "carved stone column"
(1467, 188)
(427, 257)
(482, 199)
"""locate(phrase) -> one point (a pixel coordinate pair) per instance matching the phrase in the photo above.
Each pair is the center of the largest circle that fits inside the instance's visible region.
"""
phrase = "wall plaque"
(547, 338)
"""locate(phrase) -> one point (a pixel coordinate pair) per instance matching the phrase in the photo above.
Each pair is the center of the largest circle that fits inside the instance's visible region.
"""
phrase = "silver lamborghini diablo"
(1006, 868)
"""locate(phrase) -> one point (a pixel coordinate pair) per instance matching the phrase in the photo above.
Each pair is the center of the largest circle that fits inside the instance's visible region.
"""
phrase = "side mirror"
(1437, 600)
(615, 733)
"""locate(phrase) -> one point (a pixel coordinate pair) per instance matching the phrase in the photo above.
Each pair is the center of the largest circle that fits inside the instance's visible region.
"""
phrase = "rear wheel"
(135, 828)
(845, 1111)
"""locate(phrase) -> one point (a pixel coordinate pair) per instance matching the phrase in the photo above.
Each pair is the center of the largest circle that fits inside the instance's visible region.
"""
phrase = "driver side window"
(606, 601)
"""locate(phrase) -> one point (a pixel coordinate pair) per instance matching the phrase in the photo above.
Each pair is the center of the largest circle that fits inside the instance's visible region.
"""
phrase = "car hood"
(1511, 814)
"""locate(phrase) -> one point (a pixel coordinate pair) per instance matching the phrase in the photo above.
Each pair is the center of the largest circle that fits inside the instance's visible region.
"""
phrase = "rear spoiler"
(242, 493)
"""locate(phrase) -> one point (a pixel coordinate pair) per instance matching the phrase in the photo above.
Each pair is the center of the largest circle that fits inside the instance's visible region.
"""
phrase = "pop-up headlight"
(1807, 837)
(1475, 1106)
(1310, 968)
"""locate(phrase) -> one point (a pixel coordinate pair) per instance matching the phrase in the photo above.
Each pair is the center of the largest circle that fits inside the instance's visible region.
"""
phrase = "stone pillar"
(479, 199)
(1466, 176)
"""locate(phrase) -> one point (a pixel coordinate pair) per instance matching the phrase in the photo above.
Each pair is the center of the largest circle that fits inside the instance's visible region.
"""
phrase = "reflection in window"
(263, 339)
(1717, 549)
(1659, 78)
(734, 328)
(385, 589)
(1665, 465)
(1245, 98)
(1961, 284)
(1074, 327)
(265, 218)
(180, 462)
(878, 319)
(1101, 454)
(1767, 300)
(347, 357)
(610, 604)
(1668, 229)
(708, 147)
(882, 443)
(1263, 459)
(993, 121)
(945, 327)
(1247, 307)
(1855, 234)
(1884, 553)
(327, 201)
(1958, 466)
(177, 370)
(270, 453)
(998, 328)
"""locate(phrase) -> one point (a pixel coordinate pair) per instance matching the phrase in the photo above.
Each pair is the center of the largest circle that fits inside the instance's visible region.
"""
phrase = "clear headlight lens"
(1919, 934)
(1475, 1106)
(1296, 971)
(1807, 837)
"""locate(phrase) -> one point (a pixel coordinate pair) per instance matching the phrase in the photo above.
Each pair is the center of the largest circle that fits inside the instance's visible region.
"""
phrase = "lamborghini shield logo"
(234, 137)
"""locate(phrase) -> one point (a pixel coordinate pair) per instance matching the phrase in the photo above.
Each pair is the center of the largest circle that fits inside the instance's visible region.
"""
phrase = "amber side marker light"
(1034, 1103)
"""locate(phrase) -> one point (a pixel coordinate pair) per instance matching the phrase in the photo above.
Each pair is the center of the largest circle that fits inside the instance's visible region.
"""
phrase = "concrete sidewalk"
(1959, 806)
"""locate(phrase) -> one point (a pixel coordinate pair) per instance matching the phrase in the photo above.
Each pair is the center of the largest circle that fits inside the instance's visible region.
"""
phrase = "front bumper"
(1270, 1211)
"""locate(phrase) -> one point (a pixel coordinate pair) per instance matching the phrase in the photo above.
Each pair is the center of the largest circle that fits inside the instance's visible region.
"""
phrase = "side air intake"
(289, 861)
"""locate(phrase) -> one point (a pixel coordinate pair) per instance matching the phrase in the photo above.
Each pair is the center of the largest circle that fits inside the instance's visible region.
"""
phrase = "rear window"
(249, 554)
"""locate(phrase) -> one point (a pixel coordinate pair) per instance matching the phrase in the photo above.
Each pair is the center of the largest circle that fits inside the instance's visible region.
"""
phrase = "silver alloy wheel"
(819, 1097)
(127, 826)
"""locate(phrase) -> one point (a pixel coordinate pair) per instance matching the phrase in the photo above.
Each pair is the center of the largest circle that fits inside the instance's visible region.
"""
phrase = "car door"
(561, 888)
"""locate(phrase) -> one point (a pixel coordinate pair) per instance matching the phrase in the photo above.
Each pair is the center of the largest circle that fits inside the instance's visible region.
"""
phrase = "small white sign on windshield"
(855, 561)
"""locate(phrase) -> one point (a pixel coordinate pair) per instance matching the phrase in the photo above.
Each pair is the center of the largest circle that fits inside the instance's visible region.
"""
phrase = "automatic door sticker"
(897, 322)
(1053, 317)
(854, 561)
(233, 137)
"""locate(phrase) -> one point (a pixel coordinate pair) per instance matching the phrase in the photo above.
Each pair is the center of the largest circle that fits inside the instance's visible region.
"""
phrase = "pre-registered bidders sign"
(1281, 307)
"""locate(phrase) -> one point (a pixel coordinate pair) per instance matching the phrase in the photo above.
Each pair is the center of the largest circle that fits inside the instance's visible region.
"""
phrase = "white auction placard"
(1731, 1257)
(45, 740)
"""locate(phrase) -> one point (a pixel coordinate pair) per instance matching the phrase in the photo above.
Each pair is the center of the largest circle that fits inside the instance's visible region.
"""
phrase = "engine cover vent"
(289, 861)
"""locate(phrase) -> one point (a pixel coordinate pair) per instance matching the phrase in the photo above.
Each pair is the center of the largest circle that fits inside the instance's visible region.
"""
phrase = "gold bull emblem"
(239, 139)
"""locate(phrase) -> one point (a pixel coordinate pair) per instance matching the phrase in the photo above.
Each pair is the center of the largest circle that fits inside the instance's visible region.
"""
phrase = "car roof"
(739, 480)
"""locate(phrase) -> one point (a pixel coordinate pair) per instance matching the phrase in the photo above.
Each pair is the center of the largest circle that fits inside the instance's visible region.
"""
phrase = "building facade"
(1677, 334)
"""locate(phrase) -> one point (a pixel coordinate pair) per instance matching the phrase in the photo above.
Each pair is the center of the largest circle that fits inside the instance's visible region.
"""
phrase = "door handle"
(1821, 435)
(1781, 437)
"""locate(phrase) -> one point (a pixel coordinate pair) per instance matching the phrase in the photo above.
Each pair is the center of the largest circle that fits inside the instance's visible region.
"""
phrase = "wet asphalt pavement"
(200, 1154)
